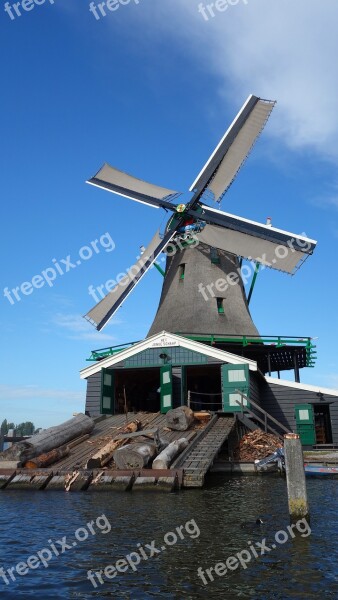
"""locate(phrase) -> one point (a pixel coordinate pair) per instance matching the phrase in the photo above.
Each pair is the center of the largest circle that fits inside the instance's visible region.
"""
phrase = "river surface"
(210, 530)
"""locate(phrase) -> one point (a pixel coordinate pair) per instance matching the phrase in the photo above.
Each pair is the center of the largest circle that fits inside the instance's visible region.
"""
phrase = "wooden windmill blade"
(104, 310)
(223, 165)
(121, 183)
(268, 246)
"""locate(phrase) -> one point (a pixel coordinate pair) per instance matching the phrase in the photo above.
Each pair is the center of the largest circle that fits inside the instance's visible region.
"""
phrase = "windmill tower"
(203, 291)
(191, 304)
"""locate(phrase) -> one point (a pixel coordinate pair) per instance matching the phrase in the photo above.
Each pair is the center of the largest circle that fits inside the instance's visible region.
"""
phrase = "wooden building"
(167, 370)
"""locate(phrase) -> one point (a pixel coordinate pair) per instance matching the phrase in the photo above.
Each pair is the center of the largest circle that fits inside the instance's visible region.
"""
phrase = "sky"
(150, 88)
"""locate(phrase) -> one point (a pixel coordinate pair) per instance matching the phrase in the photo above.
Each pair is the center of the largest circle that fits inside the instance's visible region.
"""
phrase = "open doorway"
(323, 423)
(140, 386)
(204, 385)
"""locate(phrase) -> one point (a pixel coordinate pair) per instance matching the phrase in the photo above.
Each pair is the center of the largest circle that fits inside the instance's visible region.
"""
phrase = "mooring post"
(295, 477)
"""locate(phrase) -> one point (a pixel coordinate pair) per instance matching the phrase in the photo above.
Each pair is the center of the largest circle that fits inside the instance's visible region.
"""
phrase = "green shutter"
(107, 392)
(234, 377)
(305, 423)
(166, 388)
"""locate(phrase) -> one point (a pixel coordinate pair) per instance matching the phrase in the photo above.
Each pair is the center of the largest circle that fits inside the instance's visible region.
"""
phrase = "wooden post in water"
(295, 477)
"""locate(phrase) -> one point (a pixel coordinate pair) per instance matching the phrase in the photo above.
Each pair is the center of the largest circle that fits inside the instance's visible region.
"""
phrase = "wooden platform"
(70, 474)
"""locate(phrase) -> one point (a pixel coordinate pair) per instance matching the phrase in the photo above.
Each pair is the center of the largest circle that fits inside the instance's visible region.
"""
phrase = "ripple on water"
(305, 567)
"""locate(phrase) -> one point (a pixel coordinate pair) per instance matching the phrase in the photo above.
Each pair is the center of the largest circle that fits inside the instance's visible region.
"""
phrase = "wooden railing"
(266, 416)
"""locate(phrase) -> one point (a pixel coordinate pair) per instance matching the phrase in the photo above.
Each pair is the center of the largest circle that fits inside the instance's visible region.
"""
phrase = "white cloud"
(277, 50)
(80, 329)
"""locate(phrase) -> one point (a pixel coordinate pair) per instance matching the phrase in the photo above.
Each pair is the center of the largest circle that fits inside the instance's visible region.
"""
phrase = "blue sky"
(151, 88)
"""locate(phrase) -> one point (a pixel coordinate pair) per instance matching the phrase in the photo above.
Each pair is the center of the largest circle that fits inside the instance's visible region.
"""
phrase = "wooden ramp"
(202, 451)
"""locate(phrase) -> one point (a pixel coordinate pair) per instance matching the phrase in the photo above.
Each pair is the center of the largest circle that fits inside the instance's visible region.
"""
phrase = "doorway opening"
(322, 423)
(204, 385)
(141, 387)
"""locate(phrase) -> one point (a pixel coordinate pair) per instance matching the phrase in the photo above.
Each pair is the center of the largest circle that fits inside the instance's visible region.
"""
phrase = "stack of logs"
(141, 453)
(48, 446)
(51, 445)
(256, 445)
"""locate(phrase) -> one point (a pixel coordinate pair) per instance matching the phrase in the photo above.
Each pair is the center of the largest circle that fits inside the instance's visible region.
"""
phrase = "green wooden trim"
(107, 402)
(166, 388)
(257, 267)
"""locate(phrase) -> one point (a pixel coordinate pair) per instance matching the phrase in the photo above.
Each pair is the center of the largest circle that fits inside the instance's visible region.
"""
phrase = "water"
(303, 567)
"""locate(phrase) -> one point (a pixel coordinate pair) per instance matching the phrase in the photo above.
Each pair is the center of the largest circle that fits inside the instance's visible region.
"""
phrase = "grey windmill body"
(184, 309)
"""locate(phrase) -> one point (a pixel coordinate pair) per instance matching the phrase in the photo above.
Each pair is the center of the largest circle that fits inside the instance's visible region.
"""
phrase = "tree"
(26, 428)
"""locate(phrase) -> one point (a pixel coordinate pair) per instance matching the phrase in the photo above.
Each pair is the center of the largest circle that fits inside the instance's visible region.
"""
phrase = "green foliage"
(27, 428)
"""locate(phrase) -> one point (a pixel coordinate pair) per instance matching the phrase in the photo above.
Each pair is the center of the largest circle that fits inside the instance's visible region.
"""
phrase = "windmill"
(204, 245)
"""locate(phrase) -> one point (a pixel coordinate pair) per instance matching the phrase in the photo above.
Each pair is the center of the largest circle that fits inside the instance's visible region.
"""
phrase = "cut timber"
(78, 441)
(202, 416)
(48, 439)
(47, 459)
(9, 464)
(163, 460)
(135, 456)
(78, 481)
(103, 456)
(180, 418)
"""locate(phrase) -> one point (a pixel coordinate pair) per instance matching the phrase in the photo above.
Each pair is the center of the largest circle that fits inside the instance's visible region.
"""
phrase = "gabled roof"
(167, 340)
(302, 386)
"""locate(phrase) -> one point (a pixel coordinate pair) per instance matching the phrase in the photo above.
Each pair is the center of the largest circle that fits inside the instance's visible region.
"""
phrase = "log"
(44, 460)
(202, 416)
(105, 454)
(48, 439)
(135, 456)
(163, 460)
(180, 418)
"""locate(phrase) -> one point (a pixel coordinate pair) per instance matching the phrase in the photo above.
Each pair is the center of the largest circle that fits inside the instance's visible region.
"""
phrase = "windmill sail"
(273, 247)
(102, 312)
(222, 167)
(128, 186)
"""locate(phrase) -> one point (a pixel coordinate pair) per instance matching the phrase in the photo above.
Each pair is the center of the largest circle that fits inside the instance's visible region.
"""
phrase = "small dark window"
(214, 256)
(220, 306)
(181, 272)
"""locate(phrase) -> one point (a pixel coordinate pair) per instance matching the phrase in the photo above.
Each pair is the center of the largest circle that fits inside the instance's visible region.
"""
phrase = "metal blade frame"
(272, 234)
(138, 197)
(208, 171)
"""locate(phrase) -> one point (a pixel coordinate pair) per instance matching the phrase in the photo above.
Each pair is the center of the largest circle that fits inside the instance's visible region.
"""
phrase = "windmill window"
(220, 306)
(214, 256)
(181, 272)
